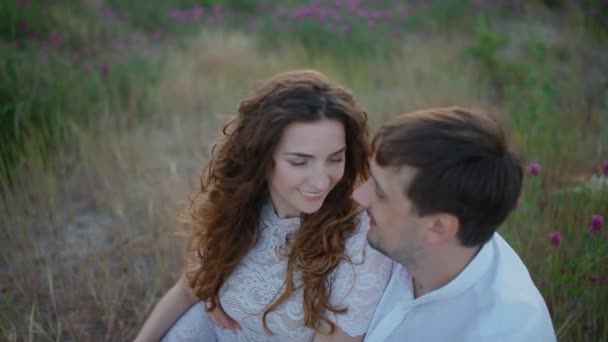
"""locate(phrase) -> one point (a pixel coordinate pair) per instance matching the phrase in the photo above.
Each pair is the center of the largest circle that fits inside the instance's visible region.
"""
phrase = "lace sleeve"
(358, 286)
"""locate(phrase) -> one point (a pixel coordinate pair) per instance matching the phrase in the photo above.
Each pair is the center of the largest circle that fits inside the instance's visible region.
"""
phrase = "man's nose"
(360, 195)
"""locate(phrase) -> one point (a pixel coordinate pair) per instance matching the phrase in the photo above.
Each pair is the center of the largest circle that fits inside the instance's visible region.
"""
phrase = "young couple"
(298, 236)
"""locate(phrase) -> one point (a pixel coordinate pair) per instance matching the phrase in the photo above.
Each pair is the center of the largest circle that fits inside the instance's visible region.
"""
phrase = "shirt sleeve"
(358, 285)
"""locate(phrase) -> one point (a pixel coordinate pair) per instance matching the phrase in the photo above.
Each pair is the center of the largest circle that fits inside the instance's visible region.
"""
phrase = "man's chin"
(375, 245)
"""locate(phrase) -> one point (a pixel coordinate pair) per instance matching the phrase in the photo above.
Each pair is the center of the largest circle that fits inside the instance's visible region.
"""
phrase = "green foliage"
(349, 41)
(18, 22)
(527, 87)
(525, 82)
(156, 15)
(40, 95)
(236, 5)
(149, 15)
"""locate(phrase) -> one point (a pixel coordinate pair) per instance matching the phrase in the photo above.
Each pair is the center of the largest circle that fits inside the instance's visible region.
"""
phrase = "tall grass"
(104, 133)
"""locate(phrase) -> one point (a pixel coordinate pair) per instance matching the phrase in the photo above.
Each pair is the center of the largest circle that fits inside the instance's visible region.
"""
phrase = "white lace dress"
(258, 280)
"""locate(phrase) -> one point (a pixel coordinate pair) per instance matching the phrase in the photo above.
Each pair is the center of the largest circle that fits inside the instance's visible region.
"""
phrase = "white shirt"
(492, 299)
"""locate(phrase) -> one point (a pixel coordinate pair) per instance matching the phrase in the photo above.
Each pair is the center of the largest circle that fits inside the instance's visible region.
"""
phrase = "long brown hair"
(225, 227)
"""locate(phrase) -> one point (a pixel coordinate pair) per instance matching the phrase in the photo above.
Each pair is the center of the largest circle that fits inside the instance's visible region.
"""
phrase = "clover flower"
(597, 223)
(534, 169)
(555, 238)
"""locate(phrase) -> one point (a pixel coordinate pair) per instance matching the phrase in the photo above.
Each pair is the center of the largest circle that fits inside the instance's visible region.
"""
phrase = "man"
(442, 182)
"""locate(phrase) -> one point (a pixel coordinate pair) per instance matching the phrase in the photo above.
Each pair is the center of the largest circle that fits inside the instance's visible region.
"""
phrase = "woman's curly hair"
(225, 213)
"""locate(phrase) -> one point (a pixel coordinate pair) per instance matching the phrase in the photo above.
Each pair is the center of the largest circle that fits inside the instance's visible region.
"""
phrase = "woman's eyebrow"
(298, 154)
(339, 151)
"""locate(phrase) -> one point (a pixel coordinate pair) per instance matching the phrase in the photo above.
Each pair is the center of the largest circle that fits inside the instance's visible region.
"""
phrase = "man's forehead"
(403, 175)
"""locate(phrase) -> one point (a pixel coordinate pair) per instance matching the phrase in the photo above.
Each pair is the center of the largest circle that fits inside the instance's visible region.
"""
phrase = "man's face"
(395, 228)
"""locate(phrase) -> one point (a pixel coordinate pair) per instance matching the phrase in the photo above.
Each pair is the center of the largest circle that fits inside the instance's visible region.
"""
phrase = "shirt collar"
(472, 273)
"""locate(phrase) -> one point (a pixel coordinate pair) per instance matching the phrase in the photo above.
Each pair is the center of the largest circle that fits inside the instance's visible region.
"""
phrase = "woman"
(279, 251)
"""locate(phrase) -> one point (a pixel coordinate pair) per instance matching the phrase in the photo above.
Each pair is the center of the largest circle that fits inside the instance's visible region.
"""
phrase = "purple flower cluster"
(555, 238)
(595, 226)
(534, 169)
(597, 223)
(214, 15)
(340, 16)
(191, 15)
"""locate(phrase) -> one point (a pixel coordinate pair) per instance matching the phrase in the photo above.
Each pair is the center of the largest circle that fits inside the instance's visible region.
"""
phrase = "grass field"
(108, 109)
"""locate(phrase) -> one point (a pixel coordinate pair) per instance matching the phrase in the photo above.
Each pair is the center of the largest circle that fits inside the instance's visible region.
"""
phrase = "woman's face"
(308, 162)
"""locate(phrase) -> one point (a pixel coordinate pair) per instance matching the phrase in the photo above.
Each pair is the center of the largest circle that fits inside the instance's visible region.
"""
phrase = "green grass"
(96, 162)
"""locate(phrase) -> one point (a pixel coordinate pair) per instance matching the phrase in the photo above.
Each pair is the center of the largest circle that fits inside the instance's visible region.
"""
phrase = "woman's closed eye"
(299, 162)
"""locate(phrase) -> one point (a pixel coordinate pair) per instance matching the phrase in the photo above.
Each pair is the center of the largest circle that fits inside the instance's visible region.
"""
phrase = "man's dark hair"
(464, 167)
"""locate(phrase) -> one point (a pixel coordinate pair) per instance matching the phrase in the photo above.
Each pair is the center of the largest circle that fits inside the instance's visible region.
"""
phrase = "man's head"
(443, 175)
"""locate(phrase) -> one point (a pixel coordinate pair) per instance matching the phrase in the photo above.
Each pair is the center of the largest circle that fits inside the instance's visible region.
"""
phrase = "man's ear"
(442, 228)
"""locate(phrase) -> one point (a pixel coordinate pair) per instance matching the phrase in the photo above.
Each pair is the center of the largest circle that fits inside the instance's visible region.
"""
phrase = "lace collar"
(270, 219)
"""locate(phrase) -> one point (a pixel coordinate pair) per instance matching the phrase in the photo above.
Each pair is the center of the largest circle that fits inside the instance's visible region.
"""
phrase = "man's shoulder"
(510, 295)
(508, 280)
(509, 275)
(513, 318)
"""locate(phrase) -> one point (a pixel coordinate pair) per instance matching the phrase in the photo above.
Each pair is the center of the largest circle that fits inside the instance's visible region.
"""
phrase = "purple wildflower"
(281, 11)
(555, 238)
(177, 15)
(108, 13)
(187, 16)
(23, 27)
(105, 70)
(597, 223)
(378, 15)
(196, 12)
(157, 35)
(605, 167)
(303, 12)
(362, 14)
(594, 278)
(57, 40)
(534, 169)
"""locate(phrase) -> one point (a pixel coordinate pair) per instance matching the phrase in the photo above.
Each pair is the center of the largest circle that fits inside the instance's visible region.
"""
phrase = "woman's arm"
(173, 304)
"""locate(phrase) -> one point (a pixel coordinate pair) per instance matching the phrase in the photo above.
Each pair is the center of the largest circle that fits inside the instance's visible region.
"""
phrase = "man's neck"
(439, 268)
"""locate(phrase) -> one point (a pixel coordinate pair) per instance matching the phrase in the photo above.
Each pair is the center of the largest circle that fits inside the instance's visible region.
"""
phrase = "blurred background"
(108, 109)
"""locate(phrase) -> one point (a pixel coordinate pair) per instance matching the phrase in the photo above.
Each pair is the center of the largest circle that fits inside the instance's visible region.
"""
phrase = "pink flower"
(157, 35)
(594, 278)
(555, 238)
(57, 40)
(105, 70)
(605, 167)
(597, 223)
(196, 12)
(23, 27)
(534, 169)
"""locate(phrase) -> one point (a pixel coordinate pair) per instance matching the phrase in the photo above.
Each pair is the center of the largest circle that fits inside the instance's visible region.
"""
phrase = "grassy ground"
(107, 120)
